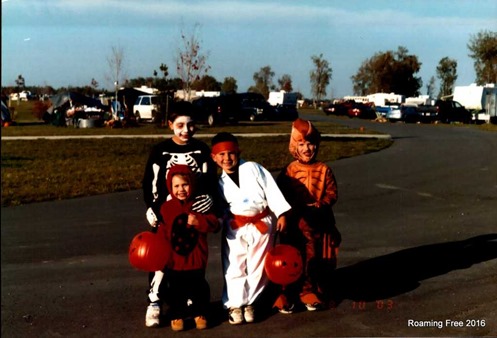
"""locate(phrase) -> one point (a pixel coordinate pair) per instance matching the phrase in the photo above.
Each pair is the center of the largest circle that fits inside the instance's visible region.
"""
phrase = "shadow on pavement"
(400, 272)
(382, 277)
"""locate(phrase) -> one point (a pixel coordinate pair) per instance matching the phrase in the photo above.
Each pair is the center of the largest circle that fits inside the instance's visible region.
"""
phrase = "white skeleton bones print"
(178, 158)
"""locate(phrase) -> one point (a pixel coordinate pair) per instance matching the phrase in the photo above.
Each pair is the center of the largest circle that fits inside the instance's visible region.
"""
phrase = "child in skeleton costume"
(311, 189)
(181, 148)
(255, 209)
(186, 230)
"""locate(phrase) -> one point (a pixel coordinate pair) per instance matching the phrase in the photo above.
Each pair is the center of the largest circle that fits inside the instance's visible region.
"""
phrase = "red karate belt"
(240, 221)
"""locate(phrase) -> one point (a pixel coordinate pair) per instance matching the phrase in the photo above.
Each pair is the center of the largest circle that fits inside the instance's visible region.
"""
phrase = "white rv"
(481, 101)
(282, 98)
(384, 99)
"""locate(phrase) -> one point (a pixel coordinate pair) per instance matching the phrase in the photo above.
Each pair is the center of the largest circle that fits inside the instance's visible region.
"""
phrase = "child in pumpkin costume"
(186, 230)
(311, 189)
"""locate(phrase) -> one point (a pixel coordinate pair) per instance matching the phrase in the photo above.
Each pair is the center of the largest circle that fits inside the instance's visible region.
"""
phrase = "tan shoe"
(235, 316)
(177, 324)
(248, 314)
(200, 322)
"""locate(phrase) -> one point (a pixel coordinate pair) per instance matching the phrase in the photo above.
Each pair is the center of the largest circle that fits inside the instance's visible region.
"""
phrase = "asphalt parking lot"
(418, 257)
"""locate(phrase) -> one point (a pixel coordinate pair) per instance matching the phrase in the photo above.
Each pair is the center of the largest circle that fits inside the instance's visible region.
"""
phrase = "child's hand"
(151, 218)
(193, 220)
(281, 224)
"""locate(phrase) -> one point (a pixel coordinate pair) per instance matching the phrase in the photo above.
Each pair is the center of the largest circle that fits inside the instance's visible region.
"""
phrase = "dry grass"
(41, 170)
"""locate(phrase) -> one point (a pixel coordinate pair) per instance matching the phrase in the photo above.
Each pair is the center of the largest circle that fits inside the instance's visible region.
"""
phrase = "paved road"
(419, 227)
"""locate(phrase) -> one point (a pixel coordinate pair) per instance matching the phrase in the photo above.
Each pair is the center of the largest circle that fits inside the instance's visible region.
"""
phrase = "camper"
(421, 100)
(282, 98)
(479, 100)
(385, 99)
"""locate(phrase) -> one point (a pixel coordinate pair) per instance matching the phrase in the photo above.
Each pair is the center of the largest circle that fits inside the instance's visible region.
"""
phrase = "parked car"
(452, 111)
(253, 106)
(216, 110)
(228, 107)
(384, 110)
(408, 114)
(427, 113)
(361, 110)
(205, 110)
(147, 107)
(283, 112)
(335, 109)
(445, 111)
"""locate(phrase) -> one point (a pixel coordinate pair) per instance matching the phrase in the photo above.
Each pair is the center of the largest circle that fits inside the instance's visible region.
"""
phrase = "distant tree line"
(395, 71)
(389, 71)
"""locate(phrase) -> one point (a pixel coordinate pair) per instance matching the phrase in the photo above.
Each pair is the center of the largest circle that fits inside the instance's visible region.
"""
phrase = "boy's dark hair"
(180, 108)
(223, 137)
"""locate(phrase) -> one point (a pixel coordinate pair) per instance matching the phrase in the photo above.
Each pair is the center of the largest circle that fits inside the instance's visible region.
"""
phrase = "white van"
(146, 107)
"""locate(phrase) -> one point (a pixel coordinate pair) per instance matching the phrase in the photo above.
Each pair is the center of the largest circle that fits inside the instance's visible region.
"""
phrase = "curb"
(68, 137)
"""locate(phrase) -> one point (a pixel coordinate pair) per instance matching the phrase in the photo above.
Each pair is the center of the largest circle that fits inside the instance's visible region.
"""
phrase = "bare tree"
(320, 77)
(116, 67)
(190, 61)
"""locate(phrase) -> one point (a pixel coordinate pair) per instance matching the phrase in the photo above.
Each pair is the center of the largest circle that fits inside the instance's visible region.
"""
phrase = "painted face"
(306, 151)
(226, 160)
(183, 128)
(180, 187)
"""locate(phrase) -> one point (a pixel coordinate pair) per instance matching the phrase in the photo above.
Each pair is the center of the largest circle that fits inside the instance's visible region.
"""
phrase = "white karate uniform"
(245, 248)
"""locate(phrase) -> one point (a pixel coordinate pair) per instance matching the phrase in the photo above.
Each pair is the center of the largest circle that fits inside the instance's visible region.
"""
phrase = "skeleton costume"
(253, 206)
(164, 155)
(189, 292)
(311, 189)
(195, 154)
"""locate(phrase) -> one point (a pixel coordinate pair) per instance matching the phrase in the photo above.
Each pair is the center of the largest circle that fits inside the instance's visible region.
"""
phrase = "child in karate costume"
(186, 230)
(255, 209)
(311, 189)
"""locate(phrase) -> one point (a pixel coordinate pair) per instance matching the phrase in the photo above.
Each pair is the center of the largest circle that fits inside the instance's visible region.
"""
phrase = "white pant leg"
(234, 264)
(257, 249)
(153, 296)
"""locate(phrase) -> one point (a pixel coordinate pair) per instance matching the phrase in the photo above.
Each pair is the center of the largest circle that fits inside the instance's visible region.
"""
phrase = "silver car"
(403, 114)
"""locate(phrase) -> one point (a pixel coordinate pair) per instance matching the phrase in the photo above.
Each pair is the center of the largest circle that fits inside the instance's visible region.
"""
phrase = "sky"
(64, 43)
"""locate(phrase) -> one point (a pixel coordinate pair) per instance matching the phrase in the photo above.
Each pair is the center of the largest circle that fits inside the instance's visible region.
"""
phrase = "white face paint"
(183, 128)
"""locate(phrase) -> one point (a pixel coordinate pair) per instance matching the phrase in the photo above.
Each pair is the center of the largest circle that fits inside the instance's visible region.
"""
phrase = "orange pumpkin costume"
(311, 189)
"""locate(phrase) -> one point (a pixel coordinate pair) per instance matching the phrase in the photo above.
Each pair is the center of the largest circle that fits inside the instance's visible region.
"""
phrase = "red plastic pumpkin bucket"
(149, 251)
(283, 264)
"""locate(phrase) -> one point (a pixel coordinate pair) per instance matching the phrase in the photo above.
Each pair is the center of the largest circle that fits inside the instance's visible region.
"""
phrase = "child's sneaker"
(236, 316)
(286, 309)
(314, 306)
(248, 313)
(283, 305)
(200, 322)
(177, 324)
(312, 302)
(152, 318)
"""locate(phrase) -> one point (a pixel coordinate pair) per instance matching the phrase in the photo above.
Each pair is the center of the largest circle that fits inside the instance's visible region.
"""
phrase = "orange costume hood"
(303, 130)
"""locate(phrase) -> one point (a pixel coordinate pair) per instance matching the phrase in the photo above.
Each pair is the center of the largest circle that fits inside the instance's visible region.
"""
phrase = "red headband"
(225, 146)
